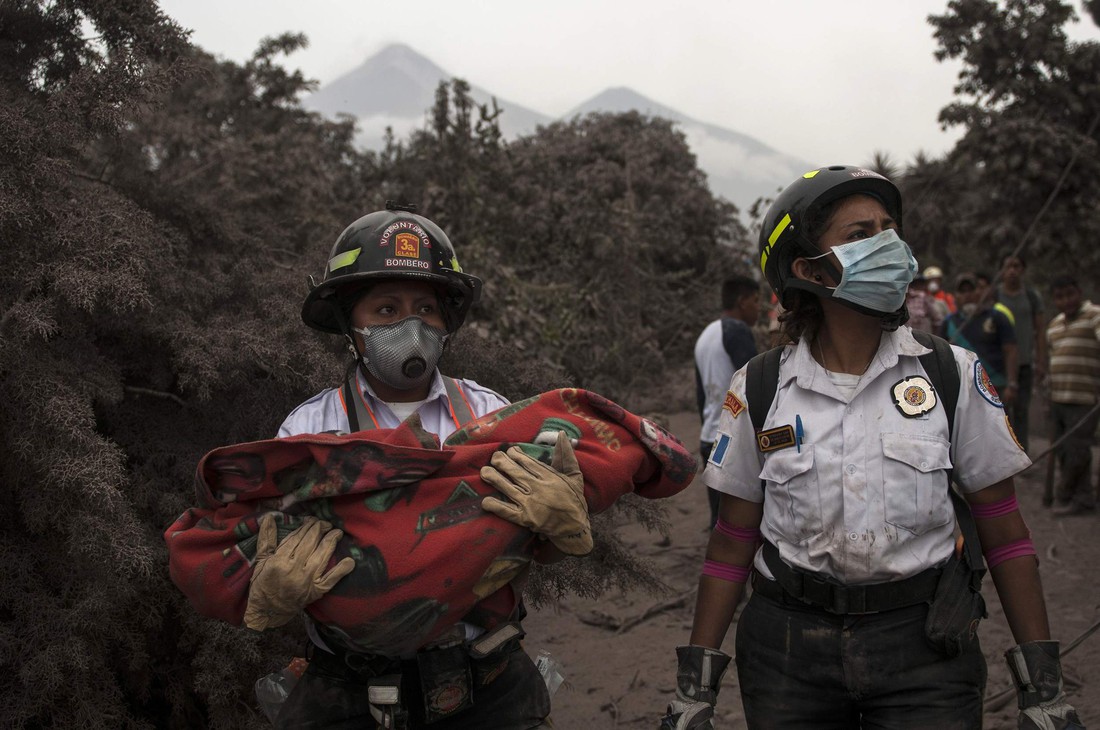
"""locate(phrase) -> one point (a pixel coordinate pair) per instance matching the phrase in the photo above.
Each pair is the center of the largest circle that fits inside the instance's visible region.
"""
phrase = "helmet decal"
(811, 173)
(408, 263)
(454, 264)
(347, 258)
(404, 227)
(407, 245)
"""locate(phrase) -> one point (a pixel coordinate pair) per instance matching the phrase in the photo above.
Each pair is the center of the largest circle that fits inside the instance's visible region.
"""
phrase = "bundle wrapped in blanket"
(427, 555)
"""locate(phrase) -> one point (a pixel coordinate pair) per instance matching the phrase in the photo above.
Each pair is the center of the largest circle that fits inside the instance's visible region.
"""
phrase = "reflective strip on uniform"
(461, 412)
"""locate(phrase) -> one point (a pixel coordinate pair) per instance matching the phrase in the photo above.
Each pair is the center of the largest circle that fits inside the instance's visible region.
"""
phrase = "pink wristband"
(726, 571)
(995, 509)
(741, 534)
(1008, 551)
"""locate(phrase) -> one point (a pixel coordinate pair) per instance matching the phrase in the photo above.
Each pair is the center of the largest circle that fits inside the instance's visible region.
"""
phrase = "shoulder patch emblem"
(733, 404)
(775, 438)
(914, 396)
(1012, 433)
(718, 452)
(985, 386)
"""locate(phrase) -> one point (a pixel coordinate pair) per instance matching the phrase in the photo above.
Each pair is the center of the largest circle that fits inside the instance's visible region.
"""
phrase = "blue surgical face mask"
(877, 271)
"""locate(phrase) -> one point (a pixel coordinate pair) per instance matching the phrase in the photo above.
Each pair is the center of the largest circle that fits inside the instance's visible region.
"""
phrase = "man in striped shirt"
(1073, 339)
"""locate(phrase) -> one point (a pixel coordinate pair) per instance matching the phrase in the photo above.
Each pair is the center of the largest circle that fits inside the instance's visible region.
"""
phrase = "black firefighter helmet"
(389, 244)
(785, 234)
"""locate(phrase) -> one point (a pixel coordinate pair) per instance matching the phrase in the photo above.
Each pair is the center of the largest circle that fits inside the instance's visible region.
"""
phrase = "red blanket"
(426, 553)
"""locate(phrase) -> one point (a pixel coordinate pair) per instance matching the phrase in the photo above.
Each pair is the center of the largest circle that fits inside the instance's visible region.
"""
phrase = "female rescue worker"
(863, 608)
(394, 290)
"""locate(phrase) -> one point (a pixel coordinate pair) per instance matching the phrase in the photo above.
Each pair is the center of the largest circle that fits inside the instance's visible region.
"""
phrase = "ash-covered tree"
(1028, 164)
(612, 263)
(155, 206)
(80, 561)
(482, 190)
(159, 210)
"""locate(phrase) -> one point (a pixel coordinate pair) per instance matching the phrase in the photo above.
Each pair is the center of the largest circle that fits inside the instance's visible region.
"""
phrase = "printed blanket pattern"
(426, 554)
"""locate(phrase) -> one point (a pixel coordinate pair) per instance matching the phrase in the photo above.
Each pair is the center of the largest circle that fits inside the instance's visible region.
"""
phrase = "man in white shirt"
(723, 347)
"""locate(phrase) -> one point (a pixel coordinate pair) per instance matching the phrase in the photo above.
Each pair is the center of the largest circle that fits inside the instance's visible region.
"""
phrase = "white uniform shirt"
(715, 368)
(325, 411)
(864, 497)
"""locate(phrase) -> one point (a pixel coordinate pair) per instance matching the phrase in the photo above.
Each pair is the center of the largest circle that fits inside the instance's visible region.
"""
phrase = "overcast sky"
(826, 81)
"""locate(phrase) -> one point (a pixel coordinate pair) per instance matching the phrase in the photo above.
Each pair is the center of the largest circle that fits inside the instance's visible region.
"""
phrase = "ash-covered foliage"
(159, 213)
(1027, 168)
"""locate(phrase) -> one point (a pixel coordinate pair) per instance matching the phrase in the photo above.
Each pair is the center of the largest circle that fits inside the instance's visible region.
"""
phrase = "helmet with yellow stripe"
(394, 243)
(797, 217)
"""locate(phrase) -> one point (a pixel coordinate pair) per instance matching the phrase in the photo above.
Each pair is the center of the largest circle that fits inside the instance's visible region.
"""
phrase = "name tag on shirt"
(775, 438)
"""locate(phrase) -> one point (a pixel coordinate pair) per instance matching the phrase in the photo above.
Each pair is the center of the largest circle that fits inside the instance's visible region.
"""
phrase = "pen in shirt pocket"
(798, 433)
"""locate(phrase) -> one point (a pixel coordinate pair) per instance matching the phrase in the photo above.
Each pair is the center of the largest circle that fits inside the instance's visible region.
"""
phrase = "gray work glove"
(288, 576)
(548, 500)
(1037, 671)
(698, 678)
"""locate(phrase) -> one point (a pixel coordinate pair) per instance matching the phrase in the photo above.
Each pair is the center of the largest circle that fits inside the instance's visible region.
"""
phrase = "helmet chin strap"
(353, 345)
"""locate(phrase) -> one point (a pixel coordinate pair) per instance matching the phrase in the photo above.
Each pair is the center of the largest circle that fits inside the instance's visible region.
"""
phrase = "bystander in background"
(1074, 340)
(723, 347)
(925, 311)
(934, 275)
(980, 327)
(1031, 343)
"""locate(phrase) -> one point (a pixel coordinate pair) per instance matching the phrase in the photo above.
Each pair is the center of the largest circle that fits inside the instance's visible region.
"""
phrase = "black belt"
(346, 664)
(826, 593)
(484, 652)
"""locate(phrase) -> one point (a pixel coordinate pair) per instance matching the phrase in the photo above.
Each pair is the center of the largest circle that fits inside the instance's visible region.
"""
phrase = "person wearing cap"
(987, 330)
(925, 312)
(934, 275)
(835, 455)
(1026, 305)
(394, 291)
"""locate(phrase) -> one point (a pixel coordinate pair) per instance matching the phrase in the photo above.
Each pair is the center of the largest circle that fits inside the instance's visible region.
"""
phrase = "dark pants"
(1019, 411)
(713, 495)
(1075, 455)
(801, 667)
(509, 694)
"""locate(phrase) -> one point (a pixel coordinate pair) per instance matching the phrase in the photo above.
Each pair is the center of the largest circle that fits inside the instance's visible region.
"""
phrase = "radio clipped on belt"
(445, 681)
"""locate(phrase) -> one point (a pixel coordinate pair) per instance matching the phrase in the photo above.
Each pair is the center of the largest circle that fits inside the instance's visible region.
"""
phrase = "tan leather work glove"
(548, 500)
(290, 575)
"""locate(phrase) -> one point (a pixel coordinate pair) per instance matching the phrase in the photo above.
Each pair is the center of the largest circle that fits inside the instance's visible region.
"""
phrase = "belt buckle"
(356, 662)
(852, 600)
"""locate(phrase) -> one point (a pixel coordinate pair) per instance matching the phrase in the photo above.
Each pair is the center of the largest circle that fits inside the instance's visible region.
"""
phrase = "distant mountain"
(396, 88)
(738, 167)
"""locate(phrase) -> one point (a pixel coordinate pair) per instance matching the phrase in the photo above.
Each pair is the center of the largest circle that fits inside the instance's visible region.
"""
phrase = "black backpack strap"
(944, 374)
(761, 382)
(359, 419)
